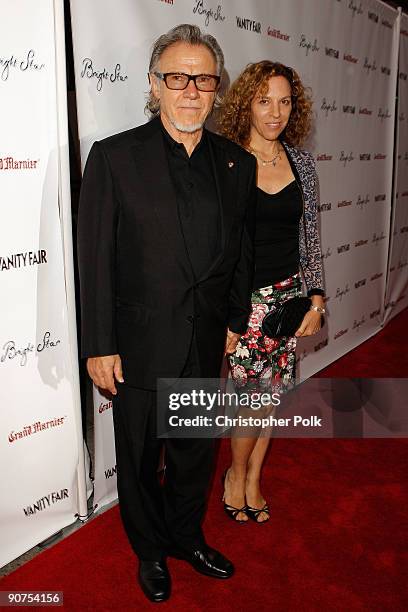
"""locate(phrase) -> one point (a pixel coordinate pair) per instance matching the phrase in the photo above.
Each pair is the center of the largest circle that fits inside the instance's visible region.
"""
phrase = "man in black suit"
(165, 256)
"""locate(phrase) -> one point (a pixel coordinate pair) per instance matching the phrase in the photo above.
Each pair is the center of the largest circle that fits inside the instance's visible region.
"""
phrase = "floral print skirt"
(260, 363)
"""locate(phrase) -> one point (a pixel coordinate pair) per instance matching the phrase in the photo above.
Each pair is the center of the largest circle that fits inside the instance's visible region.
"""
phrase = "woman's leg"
(235, 481)
(281, 355)
(254, 497)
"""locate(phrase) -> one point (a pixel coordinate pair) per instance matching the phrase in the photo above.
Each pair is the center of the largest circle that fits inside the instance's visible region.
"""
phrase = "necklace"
(266, 162)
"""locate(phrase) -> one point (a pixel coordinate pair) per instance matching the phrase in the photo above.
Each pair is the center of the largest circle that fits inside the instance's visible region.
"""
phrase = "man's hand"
(231, 342)
(104, 371)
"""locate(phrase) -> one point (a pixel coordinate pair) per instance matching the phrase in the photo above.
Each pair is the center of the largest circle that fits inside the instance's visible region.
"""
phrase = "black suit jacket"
(138, 295)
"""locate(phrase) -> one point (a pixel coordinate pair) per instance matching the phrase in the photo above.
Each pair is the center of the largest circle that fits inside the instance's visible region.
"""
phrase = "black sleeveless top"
(277, 235)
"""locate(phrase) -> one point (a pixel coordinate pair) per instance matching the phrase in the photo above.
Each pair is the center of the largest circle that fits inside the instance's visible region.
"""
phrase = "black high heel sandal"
(231, 511)
(253, 513)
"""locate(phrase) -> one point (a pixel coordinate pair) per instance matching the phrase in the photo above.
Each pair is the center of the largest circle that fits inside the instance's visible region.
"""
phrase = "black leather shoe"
(209, 562)
(154, 579)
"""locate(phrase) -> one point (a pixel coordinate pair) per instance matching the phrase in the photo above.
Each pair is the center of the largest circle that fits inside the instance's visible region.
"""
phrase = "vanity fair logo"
(369, 66)
(308, 45)
(249, 24)
(277, 34)
(210, 13)
(328, 107)
(110, 472)
(324, 206)
(386, 23)
(45, 502)
(100, 76)
(365, 111)
(34, 428)
(349, 109)
(11, 163)
(344, 203)
(22, 260)
(25, 64)
(347, 57)
(373, 16)
(332, 52)
(346, 158)
(355, 7)
(18, 354)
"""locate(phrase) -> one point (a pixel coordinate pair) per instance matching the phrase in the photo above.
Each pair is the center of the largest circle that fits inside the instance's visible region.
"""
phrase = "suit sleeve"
(97, 222)
(241, 288)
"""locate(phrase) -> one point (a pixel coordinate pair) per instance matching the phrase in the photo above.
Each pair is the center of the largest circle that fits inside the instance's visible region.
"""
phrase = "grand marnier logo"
(11, 163)
(26, 64)
(35, 428)
(275, 33)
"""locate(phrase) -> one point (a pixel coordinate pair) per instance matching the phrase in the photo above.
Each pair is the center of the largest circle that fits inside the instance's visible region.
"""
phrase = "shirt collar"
(178, 146)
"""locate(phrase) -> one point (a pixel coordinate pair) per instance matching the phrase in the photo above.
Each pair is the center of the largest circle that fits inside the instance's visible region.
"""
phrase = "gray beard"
(188, 129)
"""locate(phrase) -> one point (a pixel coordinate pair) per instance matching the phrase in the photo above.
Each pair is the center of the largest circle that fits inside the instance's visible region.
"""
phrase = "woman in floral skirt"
(268, 111)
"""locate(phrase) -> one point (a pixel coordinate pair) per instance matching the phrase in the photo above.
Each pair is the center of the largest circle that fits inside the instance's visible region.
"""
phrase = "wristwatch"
(318, 309)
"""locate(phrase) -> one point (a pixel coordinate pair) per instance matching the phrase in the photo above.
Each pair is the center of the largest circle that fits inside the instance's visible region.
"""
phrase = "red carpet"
(336, 539)
(385, 355)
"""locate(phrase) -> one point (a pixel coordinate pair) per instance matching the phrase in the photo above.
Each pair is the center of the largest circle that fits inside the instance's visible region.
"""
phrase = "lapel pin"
(230, 164)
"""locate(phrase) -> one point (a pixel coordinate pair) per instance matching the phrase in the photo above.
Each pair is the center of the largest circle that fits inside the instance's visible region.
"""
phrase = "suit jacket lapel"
(225, 172)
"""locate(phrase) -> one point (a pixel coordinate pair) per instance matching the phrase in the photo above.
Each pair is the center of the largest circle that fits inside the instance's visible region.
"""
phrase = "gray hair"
(187, 33)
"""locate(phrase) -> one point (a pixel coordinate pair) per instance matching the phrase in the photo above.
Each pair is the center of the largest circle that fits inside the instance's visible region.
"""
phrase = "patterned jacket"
(304, 170)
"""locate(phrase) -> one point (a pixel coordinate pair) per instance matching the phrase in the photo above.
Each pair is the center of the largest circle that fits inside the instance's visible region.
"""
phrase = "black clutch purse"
(286, 319)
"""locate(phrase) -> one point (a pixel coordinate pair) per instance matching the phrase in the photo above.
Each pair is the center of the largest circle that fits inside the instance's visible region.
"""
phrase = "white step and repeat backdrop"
(41, 454)
(347, 53)
(397, 286)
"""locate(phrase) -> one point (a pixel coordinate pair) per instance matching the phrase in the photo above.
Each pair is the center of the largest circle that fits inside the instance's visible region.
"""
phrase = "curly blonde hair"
(234, 114)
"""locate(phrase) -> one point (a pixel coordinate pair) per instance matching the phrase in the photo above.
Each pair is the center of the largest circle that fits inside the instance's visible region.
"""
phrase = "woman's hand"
(310, 325)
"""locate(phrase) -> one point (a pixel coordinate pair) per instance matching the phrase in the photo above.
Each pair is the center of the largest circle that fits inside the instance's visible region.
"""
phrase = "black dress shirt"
(197, 201)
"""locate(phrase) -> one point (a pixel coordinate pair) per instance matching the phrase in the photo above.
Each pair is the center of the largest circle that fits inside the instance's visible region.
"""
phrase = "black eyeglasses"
(180, 80)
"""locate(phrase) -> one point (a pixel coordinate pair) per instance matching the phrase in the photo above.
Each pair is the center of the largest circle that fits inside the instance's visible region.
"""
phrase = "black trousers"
(158, 517)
